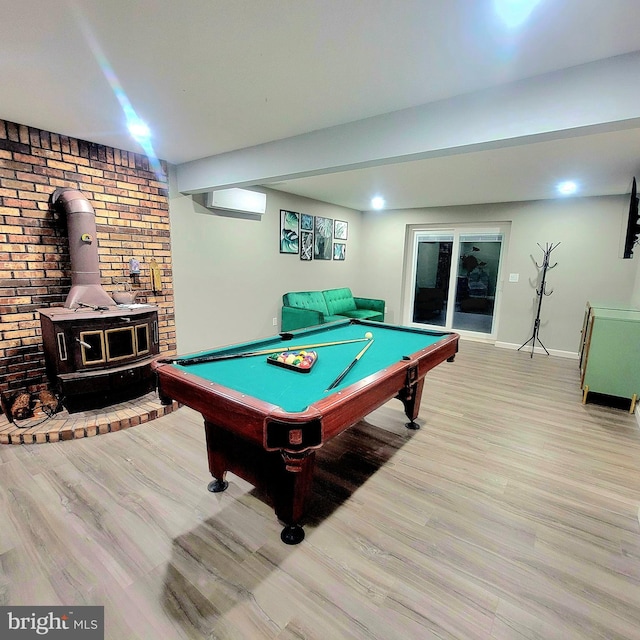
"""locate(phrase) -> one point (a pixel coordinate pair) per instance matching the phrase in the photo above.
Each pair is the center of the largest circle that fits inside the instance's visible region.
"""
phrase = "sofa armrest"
(294, 318)
(372, 304)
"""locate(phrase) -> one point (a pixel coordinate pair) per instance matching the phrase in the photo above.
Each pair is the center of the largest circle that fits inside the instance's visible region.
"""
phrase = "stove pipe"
(83, 250)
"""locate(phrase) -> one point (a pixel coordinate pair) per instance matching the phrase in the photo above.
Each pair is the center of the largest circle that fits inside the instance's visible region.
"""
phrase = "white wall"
(229, 276)
(589, 268)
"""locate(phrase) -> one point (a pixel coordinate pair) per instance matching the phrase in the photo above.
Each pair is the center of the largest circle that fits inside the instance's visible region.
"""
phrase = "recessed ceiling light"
(377, 202)
(567, 188)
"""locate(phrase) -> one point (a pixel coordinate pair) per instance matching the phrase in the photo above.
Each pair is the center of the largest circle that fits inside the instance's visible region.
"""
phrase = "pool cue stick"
(338, 380)
(264, 352)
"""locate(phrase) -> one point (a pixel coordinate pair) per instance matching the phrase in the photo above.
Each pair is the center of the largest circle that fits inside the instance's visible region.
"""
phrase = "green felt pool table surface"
(294, 391)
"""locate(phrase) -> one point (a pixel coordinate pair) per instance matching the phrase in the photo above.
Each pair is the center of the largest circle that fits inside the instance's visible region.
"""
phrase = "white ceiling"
(214, 76)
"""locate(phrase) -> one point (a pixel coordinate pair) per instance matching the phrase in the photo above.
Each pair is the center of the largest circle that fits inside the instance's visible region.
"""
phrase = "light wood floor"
(513, 513)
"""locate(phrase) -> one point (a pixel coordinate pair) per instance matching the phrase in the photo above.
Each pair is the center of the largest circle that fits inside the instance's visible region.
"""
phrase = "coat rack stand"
(541, 292)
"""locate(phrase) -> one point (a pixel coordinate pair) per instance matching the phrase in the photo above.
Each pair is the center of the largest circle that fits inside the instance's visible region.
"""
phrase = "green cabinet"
(610, 353)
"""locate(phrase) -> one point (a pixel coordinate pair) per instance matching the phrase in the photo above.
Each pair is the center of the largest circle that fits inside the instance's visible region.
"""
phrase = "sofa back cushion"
(339, 300)
(313, 300)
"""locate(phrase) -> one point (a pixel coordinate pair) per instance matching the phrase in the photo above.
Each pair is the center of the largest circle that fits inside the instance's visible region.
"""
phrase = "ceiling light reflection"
(514, 12)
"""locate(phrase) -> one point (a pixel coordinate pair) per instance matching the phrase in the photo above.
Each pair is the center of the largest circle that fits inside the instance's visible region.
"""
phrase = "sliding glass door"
(454, 278)
(432, 278)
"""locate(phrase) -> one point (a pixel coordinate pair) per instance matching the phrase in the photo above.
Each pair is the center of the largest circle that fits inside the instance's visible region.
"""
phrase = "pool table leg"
(216, 486)
(410, 396)
(291, 493)
(285, 476)
(217, 462)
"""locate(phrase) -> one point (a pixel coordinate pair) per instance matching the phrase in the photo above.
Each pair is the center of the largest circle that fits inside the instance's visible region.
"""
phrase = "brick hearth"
(84, 424)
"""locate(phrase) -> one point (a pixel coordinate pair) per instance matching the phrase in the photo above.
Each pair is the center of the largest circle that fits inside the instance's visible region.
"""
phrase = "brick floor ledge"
(83, 424)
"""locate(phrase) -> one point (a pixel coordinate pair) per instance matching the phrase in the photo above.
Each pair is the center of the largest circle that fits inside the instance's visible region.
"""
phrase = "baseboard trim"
(572, 355)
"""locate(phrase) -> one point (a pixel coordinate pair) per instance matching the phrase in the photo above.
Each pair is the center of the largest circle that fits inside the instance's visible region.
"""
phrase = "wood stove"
(96, 352)
(97, 358)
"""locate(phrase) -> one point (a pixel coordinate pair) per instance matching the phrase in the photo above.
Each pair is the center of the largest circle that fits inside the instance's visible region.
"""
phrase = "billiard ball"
(368, 335)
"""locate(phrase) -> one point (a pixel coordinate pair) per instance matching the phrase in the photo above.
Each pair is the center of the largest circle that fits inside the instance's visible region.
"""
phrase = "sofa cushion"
(339, 300)
(363, 314)
(313, 300)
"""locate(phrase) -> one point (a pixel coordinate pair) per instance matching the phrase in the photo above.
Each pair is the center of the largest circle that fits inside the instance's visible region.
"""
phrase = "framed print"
(306, 222)
(340, 229)
(339, 250)
(306, 245)
(322, 234)
(289, 231)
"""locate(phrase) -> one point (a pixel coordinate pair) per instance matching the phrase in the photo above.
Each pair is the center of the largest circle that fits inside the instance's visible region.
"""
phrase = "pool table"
(264, 423)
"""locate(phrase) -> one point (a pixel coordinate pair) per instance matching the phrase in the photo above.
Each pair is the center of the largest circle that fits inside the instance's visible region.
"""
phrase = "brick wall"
(132, 221)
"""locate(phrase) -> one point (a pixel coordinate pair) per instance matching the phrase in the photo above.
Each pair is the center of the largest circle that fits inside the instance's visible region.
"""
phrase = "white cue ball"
(368, 335)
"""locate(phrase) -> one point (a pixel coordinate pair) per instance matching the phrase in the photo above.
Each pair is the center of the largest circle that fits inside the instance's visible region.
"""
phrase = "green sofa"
(307, 308)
